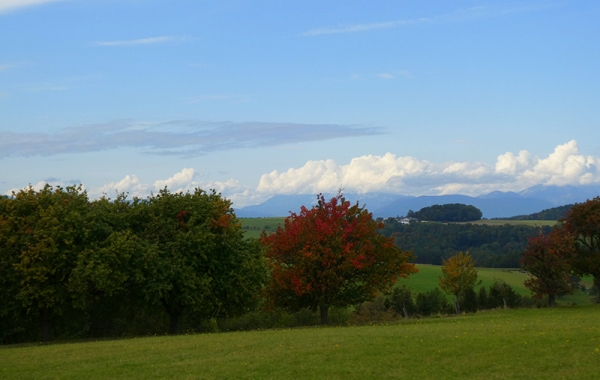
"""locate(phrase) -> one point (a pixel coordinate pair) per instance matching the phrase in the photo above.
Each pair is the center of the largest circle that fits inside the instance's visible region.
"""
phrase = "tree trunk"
(174, 323)
(457, 307)
(551, 300)
(46, 324)
(324, 314)
(405, 311)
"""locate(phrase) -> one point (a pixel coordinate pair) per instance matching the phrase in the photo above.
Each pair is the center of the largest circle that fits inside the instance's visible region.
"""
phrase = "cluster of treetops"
(71, 267)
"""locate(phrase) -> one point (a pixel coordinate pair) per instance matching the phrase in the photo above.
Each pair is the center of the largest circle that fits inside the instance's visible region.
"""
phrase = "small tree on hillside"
(331, 255)
(458, 277)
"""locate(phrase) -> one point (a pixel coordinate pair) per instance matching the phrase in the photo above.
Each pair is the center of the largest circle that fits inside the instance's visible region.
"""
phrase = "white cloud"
(178, 181)
(409, 175)
(388, 173)
(473, 13)
(9, 5)
(386, 76)
(143, 41)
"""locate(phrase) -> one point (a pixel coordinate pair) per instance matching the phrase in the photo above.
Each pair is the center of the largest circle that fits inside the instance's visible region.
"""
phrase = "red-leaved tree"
(331, 255)
(548, 259)
(583, 223)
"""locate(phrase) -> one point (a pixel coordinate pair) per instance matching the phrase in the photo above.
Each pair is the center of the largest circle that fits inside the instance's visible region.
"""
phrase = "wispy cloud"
(386, 76)
(144, 41)
(10, 5)
(179, 137)
(220, 97)
(473, 13)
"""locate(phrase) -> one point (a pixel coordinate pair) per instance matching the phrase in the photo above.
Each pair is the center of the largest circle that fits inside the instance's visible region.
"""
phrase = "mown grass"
(506, 344)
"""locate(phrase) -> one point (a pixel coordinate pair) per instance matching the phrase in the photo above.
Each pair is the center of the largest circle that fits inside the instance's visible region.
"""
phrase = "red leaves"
(329, 254)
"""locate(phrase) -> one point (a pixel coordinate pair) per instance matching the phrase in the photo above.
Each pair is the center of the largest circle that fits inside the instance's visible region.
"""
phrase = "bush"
(432, 302)
(469, 301)
(503, 295)
(400, 300)
(375, 311)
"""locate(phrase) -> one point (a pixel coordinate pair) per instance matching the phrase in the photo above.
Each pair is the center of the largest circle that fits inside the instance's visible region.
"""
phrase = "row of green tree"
(554, 213)
(71, 267)
(490, 246)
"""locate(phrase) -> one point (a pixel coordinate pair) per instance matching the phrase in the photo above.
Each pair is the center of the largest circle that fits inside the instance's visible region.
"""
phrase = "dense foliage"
(71, 267)
(489, 246)
(331, 255)
(454, 212)
(555, 213)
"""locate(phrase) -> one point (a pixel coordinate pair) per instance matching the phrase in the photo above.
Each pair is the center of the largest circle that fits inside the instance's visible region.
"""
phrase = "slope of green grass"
(506, 344)
(428, 279)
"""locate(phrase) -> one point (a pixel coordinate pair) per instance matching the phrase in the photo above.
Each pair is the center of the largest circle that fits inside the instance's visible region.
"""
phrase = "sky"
(254, 98)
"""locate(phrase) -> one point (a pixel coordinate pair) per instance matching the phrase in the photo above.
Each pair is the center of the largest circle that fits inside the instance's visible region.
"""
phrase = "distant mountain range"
(493, 205)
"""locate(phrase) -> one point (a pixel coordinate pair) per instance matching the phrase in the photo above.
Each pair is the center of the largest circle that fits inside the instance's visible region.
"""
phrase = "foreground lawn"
(508, 344)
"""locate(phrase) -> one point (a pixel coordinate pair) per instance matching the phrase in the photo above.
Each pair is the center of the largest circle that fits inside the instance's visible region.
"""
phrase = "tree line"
(72, 267)
(490, 246)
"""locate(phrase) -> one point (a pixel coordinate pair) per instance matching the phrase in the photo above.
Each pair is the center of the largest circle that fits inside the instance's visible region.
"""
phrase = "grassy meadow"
(505, 344)
(253, 227)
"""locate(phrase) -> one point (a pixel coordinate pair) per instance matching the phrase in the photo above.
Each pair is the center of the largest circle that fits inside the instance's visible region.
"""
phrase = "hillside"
(555, 213)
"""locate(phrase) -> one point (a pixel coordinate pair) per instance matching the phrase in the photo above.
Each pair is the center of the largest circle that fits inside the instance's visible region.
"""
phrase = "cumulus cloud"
(409, 175)
(178, 137)
(371, 173)
(188, 179)
(9, 5)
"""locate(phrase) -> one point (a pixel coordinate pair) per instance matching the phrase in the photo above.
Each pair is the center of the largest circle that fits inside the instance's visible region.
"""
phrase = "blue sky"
(256, 98)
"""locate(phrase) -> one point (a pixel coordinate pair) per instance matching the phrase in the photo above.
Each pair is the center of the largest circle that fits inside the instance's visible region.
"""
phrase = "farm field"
(506, 344)
(500, 222)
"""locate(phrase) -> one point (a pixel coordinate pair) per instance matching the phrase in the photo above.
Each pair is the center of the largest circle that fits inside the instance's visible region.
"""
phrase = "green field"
(253, 227)
(500, 222)
(505, 344)
(428, 278)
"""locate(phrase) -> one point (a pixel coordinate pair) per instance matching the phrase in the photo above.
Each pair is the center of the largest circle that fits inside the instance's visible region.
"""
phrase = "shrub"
(400, 300)
(432, 302)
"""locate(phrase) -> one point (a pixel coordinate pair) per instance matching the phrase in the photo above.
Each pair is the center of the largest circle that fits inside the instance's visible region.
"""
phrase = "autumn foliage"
(331, 255)
(548, 259)
(582, 222)
(458, 276)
